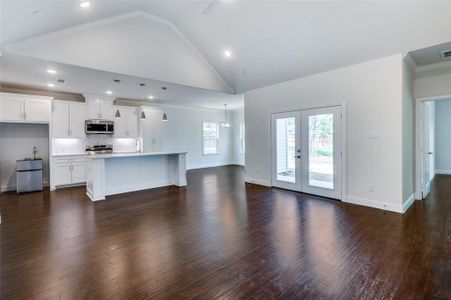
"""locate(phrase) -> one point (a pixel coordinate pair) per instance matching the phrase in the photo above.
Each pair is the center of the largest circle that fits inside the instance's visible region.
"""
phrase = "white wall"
(17, 142)
(443, 136)
(433, 83)
(408, 108)
(237, 120)
(372, 95)
(183, 131)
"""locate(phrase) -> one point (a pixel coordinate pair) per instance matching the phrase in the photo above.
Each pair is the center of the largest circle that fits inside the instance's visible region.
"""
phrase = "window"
(210, 137)
(242, 140)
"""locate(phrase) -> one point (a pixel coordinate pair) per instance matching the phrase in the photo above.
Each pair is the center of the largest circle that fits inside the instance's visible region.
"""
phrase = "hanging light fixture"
(165, 118)
(226, 123)
(143, 115)
(117, 114)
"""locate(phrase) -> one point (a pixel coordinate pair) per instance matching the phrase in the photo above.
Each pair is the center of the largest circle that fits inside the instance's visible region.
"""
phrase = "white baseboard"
(258, 181)
(374, 203)
(408, 203)
(443, 172)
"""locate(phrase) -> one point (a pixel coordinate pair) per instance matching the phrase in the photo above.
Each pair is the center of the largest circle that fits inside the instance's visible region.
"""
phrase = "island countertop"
(133, 154)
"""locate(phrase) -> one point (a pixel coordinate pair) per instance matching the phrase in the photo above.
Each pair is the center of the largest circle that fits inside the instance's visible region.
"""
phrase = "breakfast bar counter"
(115, 173)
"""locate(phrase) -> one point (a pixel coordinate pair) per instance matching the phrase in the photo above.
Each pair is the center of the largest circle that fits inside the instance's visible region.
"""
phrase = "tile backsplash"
(78, 146)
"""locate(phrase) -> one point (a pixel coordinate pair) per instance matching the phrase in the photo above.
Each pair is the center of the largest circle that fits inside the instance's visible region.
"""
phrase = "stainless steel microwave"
(99, 127)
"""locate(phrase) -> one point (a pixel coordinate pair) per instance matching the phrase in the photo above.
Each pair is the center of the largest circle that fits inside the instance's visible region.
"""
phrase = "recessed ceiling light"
(50, 85)
(50, 71)
(228, 53)
(85, 4)
(151, 97)
(109, 92)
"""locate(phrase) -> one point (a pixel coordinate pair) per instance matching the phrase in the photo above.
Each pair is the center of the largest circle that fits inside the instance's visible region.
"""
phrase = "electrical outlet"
(371, 188)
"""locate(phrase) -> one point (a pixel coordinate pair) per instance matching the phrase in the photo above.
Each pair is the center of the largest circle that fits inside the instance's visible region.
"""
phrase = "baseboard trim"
(258, 181)
(443, 172)
(374, 204)
(408, 203)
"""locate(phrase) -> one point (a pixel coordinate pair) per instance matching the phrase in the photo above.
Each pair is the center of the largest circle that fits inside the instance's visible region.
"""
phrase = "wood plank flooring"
(219, 238)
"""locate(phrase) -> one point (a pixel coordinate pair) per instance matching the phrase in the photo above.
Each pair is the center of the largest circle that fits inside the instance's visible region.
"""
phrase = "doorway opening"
(433, 143)
(306, 148)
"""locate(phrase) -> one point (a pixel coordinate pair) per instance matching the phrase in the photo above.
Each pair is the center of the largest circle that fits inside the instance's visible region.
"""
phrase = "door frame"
(419, 142)
(344, 144)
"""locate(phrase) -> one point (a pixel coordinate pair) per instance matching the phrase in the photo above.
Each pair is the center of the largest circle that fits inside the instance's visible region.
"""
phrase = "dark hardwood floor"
(220, 238)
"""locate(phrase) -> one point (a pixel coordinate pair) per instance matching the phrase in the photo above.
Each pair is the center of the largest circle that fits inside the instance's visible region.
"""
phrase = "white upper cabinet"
(68, 119)
(100, 109)
(24, 108)
(77, 118)
(127, 124)
(152, 130)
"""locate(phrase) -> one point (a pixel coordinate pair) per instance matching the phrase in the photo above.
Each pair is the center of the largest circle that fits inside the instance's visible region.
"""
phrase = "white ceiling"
(31, 71)
(271, 41)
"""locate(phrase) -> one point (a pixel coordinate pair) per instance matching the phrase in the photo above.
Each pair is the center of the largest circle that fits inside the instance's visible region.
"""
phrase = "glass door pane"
(286, 149)
(321, 151)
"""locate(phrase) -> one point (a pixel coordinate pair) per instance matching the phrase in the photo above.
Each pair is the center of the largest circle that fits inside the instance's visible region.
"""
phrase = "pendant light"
(118, 113)
(226, 123)
(165, 118)
(143, 115)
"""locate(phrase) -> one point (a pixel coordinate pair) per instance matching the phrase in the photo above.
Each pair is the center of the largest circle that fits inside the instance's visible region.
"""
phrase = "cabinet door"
(37, 110)
(11, 108)
(120, 124)
(93, 107)
(157, 118)
(107, 110)
(60, 117)
(62, 174)
(132, 123)
(77, 119)
(147, 131)
(78, 172)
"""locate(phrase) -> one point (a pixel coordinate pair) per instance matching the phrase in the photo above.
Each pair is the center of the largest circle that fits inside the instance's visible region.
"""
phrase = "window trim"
(217, 138)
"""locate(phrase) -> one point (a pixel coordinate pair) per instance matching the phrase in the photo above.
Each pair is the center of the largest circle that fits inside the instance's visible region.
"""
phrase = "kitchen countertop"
(133, 154)
(70, 154)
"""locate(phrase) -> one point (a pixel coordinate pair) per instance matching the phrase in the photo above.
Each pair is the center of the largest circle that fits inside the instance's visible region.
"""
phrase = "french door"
(306, 151)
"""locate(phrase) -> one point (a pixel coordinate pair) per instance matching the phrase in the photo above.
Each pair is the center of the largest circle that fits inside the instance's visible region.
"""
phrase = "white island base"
(109, 174)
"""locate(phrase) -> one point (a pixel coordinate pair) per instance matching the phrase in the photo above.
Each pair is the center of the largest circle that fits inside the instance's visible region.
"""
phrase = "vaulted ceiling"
(270, 41)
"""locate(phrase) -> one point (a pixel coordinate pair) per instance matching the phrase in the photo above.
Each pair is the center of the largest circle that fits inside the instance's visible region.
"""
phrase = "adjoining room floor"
(220, 238)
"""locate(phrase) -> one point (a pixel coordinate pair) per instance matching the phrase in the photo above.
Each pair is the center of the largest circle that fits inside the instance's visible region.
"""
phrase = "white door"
(157, 117)
(146, 127)
(11, 108)
(306, 151)
(286, 150)
(321, 151)
(93, 107)
(62, 173)
(107, 110)
(428, 151)
(78, 172)
(120, 124)
(132, 123)
(77, 119)
(37, 110)
(60, 116)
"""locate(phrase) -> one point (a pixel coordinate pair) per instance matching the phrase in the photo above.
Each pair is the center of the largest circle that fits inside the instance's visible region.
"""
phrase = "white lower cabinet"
(69, 170)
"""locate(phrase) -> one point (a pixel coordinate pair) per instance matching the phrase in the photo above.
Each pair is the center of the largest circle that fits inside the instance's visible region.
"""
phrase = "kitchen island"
(115, 173)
